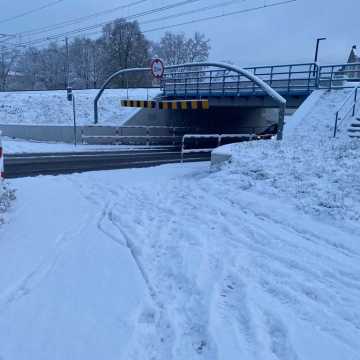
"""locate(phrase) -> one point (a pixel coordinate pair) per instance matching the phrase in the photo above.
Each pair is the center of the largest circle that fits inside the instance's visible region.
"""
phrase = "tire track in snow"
(171, 285)
(34, 279)
(159, 318)
(195, 239)
(259, 243)
(262, 245)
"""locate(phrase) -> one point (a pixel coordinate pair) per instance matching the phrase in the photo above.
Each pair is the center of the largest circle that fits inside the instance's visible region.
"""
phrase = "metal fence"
(338, 76)
(145, 135)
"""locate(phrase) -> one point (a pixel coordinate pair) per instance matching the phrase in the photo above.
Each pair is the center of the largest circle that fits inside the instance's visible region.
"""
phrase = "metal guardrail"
(214, 81)
(218, 137)
(174, 135)
(347, 109)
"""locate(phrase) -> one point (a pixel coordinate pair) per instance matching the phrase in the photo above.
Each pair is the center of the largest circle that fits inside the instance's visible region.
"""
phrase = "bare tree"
(53, 67)
(124, 46)
(177, 49)
(30, 68)
(80, 62)
(198, 48)
(7, 61)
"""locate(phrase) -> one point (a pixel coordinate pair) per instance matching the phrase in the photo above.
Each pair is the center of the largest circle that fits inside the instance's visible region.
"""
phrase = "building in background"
(353, 71)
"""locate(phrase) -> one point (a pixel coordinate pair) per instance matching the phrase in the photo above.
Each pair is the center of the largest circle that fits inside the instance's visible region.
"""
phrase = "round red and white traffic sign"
(157, 68)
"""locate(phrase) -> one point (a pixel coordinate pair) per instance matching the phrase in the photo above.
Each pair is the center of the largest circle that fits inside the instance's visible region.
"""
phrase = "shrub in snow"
(7, 195)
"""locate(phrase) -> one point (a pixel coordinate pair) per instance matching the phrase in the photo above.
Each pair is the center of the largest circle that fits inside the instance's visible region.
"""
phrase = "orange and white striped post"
(2, 174)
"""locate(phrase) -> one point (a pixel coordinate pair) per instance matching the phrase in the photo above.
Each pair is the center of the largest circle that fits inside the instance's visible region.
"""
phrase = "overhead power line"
(79, 19)
(220, 16)
(75, 32)
(32, 11)
(191, 12)
(193, 21)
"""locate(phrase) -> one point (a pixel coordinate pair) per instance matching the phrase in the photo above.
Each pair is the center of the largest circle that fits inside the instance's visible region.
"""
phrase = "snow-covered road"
(172, 263)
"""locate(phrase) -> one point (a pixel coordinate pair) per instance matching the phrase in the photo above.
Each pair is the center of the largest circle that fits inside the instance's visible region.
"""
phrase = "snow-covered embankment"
(52, 107)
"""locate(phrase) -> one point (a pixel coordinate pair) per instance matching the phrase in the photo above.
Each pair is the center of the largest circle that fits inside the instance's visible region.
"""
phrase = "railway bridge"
(225, 99)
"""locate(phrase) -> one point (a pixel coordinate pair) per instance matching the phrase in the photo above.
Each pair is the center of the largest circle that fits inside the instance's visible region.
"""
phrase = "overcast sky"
(281, 34)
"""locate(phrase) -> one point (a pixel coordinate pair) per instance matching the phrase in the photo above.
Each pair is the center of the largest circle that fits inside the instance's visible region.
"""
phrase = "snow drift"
(309, 168)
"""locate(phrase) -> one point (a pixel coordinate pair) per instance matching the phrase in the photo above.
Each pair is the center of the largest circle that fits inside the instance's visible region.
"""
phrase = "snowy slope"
(317, 173)
(316, 117)
(51, 107)
(296, 120)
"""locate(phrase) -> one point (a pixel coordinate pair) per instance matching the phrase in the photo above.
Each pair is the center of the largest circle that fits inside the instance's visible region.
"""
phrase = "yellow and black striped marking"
(168, 104)
(139, 103)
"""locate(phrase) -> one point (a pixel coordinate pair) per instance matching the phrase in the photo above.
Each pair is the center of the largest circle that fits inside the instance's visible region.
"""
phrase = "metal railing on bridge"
(213, 81)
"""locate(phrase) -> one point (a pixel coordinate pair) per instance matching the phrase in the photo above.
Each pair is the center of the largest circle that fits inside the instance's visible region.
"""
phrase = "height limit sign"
(157, 68)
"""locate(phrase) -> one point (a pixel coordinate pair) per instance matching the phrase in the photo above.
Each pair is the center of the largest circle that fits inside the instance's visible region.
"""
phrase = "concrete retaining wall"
(40, 132)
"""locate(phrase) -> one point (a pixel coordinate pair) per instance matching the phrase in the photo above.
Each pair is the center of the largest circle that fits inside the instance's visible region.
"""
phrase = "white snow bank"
(308, 168)
(319, 178)
(316, 117)
(52, 107)
(296, 120)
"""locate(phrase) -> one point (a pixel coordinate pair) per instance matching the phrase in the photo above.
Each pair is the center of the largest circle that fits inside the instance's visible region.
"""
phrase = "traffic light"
(69, 94)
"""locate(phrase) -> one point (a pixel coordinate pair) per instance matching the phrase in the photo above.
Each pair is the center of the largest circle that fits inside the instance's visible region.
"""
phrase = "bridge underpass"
(220, 98)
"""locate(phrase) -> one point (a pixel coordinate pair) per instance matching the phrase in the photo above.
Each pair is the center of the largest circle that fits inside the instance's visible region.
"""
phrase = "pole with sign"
(157, 68)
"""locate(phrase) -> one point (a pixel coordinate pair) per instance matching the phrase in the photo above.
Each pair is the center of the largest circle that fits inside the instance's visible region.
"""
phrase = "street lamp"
(317, 48)
(317, 53)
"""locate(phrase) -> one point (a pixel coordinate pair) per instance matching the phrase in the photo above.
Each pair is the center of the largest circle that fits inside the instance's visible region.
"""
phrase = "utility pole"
(67, 62)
